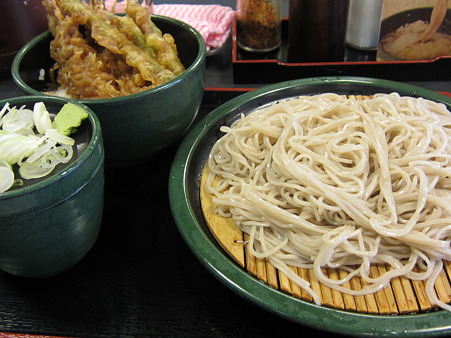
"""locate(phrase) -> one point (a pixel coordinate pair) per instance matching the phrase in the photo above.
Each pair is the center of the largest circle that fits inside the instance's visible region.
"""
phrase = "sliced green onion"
(5, 164)
(28, 140)
(19, 121)
(43, 149)
(3, 111)
(31, 170)
(6, 178)
(15, 147)
(62, 153)
(54, 135)
(41, 117)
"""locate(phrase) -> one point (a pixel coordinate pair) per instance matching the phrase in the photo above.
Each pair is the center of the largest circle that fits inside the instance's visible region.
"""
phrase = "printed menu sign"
(415, 30)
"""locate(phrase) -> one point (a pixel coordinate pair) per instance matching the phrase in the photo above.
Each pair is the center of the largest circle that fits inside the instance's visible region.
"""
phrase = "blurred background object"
(364, 22)
(317, 30)
(20, 21)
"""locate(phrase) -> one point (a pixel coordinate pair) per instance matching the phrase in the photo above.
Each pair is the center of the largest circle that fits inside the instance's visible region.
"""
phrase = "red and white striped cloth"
(213, 22)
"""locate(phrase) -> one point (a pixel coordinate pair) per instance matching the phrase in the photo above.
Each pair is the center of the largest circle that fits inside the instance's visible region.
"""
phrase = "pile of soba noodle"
(329, 181)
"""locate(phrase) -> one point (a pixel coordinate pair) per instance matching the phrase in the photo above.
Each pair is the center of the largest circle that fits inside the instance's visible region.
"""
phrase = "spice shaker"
(259, 25)
(364, 22)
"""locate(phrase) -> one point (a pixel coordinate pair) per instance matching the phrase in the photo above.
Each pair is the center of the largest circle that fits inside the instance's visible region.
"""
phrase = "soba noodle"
(329, 181)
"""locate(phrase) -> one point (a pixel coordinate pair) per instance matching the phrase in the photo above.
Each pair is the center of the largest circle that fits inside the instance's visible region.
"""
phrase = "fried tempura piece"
(110, 37)
(97, 5)
(82, 70)
(163, 45)
(99, 54)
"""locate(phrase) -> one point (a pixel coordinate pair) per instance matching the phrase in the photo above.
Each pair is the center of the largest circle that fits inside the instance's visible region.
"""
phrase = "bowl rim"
(52, 178)
(198, 61)
(221, 265)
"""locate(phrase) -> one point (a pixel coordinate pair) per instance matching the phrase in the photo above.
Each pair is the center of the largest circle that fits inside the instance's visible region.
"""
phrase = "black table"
(140, 279)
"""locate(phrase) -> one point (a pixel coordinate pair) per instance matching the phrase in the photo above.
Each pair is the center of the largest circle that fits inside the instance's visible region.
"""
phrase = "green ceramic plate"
(184, 183)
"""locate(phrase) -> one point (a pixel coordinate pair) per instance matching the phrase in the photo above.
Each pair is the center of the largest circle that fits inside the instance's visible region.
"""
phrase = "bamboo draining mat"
(401, 296)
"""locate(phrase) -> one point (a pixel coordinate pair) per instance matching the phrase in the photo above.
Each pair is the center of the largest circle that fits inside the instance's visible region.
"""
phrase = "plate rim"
(434, 323)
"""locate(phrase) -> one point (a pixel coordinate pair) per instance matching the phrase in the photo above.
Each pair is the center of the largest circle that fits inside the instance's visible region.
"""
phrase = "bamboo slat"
(420, 293)
(350, 302)
(303, 273)
(272, 275)
(295, 289)
(337, 296)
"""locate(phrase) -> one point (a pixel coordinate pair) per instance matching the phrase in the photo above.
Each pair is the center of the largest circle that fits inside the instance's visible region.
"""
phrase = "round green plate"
(184, 183)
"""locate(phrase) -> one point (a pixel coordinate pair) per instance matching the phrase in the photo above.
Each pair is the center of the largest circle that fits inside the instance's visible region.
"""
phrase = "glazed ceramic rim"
(429, 324)
(77, 162)
(198, 61)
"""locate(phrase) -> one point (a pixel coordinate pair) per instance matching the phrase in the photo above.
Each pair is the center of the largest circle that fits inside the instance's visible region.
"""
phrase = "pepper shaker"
(259, 25)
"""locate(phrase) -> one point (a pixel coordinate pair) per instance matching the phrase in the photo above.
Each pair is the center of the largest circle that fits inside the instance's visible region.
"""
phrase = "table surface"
(140, 278)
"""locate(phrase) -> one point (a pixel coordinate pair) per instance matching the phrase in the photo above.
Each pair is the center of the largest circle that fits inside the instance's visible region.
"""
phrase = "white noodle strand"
(326, 181)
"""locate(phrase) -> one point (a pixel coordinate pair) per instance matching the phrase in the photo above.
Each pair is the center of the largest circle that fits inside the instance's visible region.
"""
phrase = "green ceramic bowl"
(184, 197)
(48, 225)
(136, 126)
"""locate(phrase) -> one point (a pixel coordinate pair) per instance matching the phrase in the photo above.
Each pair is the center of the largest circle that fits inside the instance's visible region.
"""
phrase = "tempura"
(101, 55)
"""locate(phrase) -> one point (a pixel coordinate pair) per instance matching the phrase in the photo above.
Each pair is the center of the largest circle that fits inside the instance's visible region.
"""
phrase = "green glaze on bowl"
(184, 197)
(49, 224)
(136, 126)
